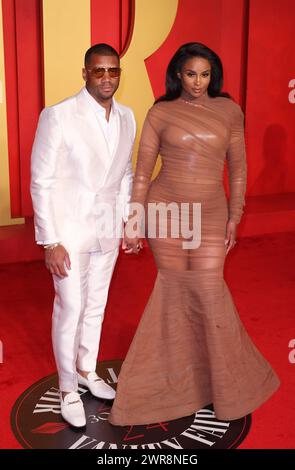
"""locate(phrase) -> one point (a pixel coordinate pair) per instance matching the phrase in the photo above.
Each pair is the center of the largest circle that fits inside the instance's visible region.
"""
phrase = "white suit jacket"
(80, 192)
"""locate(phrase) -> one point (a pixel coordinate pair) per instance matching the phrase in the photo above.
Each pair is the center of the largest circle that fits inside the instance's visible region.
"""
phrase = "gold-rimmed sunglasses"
(98, 72)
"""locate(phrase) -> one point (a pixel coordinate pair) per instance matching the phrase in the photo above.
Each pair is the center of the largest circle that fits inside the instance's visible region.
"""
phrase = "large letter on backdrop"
(66, 29)
(153, 22)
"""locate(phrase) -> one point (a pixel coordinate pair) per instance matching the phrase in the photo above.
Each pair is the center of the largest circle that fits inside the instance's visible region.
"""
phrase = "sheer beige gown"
(190, 348)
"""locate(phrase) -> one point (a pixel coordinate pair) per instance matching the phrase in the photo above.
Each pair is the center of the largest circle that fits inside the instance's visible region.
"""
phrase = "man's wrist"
(51, 246)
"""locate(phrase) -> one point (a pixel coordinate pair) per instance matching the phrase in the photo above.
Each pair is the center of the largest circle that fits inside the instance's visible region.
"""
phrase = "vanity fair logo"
(37, 423)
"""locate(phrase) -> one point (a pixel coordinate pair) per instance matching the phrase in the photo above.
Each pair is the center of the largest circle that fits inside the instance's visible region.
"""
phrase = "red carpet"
(260, 274)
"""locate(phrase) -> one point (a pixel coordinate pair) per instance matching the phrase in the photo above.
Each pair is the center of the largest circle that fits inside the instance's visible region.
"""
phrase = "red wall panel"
(111, 22)
(270, 116)
(9, 36)
(24, 91)
(220, 25)
(30, 86)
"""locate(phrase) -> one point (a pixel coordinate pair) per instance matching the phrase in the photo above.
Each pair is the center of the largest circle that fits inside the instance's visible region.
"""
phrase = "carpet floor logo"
(37, 423)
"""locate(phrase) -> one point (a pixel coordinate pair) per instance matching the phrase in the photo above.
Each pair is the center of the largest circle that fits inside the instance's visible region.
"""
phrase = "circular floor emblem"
(37, 423)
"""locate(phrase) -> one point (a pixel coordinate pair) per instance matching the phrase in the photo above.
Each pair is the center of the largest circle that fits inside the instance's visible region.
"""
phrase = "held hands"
(132, 245)
(135, 244)
(231, 231)
(56, 260)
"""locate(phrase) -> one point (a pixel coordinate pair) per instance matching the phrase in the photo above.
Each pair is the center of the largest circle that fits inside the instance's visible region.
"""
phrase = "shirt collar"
(100, 109)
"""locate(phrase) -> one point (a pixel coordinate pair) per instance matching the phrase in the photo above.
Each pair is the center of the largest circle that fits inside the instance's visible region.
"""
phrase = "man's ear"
(84, 73)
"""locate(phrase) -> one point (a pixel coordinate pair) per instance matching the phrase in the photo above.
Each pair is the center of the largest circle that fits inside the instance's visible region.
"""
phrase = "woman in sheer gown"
(190, 348)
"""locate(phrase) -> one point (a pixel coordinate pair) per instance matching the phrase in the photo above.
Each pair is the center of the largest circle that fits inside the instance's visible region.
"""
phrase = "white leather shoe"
(72, 409)
(97, 386)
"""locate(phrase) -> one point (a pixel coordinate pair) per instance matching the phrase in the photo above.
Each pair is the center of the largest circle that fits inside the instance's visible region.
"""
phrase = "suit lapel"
(104, 163)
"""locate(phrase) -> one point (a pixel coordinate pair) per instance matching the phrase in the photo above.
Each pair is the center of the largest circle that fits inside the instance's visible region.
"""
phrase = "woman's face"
(195, 77)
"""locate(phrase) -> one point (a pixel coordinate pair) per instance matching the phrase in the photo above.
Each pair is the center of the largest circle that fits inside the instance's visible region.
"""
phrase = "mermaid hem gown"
(190, 348)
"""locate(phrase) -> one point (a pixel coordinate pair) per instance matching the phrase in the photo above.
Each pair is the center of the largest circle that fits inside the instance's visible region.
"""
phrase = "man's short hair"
(100, 49)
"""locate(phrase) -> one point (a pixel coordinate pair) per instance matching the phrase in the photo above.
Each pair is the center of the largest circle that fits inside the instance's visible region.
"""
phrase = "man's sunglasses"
(98, 72)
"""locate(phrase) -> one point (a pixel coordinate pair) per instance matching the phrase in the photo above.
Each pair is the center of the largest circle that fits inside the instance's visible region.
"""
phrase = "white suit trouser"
(78, 314)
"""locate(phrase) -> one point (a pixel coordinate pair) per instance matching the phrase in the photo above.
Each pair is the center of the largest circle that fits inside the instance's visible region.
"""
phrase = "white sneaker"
(97, 386)
(72, 409)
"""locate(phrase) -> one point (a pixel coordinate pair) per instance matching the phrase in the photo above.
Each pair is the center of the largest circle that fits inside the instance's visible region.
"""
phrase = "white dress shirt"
(110, 127)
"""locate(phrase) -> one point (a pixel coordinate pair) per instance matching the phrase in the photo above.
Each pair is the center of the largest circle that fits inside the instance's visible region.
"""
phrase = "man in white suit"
(81, 184)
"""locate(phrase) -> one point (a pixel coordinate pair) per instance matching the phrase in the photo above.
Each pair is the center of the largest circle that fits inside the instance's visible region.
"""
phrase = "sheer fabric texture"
(190, 348)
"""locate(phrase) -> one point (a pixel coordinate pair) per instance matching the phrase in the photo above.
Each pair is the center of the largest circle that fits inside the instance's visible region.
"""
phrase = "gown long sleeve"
(237, 167)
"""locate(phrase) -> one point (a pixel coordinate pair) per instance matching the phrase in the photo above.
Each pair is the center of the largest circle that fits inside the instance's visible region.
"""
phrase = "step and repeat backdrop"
(42, 46)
